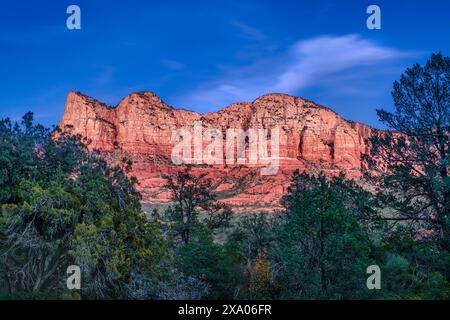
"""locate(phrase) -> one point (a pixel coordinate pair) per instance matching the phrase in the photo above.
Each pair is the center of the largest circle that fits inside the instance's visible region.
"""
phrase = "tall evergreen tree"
(323, 253)
(416, 150)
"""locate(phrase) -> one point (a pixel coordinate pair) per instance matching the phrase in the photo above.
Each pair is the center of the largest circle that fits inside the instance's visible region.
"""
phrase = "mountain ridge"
(313, 138)
(317, 105)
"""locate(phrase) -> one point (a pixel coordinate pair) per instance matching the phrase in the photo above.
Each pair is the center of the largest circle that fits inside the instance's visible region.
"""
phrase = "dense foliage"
(62, 205)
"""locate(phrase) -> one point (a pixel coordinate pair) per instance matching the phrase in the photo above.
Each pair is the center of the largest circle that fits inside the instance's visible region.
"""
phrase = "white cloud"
(325, 56)
(173, 64)
(248, 32)
(306, 64)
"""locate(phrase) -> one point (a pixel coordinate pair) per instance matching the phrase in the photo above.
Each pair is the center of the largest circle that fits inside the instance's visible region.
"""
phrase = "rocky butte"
(312, 138)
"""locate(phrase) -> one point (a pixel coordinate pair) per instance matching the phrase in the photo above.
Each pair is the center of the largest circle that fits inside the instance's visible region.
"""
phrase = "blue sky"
(204, 55)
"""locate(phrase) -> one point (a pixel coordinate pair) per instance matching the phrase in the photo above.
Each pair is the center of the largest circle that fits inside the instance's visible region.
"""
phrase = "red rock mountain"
(312, 138)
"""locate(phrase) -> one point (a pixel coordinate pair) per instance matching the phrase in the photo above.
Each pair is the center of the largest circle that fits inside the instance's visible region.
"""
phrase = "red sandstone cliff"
(312, 138)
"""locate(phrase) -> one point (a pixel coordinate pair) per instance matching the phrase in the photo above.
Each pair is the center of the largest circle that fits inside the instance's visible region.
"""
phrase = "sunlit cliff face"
(142, 127)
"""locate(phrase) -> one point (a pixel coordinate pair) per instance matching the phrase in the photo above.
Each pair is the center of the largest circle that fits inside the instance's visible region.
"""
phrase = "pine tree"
(416, 149)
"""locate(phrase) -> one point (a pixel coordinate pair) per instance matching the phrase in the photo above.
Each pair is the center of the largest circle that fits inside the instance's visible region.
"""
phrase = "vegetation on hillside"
(61, 205)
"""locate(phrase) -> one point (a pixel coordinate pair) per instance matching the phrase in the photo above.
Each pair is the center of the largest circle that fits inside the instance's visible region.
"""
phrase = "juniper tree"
(62, 205)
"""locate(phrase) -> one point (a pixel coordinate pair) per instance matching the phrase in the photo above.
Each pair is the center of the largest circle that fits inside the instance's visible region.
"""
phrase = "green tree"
(64, 205)
(413, 269)
(252, 235)
(416, 150)
(322, 251)
(192, 195)
(416, 183)
(210, 262)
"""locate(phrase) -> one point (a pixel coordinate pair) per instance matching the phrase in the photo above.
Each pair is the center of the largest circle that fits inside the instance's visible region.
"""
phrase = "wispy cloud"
(309, 63)
(248, 32)
(105, 75)
(173, 64)
(313, 59)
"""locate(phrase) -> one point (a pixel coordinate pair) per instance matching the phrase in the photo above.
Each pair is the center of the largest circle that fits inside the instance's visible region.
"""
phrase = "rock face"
(141, 127)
